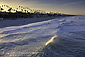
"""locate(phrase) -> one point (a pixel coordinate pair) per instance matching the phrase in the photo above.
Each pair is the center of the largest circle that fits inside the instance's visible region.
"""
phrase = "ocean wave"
(68, 43)
(63, 37)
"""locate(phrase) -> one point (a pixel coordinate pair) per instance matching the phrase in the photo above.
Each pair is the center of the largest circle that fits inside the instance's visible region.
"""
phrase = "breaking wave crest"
(69, 41)
(63, 37)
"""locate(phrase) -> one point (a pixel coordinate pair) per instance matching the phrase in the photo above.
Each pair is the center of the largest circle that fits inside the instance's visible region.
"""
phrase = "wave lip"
(51, 40)
(68, 38)
(71, 37)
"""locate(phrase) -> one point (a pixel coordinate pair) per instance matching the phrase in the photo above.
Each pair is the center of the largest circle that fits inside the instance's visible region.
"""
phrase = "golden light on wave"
(51, 40)
(1, 36)
(12, 40)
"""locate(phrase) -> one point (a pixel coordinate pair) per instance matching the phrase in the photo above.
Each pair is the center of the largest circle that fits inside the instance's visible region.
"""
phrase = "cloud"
(72, 3)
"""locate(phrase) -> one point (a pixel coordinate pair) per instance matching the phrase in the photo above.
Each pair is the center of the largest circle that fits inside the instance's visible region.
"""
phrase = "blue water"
(36, 39)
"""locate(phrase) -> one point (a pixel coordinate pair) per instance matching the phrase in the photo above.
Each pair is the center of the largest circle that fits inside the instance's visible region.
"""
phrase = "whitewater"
(59, 37)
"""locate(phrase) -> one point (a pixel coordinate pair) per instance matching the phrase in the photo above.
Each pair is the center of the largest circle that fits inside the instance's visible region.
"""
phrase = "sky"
(60, 6)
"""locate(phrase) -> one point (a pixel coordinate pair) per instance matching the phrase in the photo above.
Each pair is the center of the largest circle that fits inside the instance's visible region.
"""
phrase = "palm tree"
(2, 5)
(25, 11)
(9, 9)
(1, 8)
(22, 10)
(7, 6)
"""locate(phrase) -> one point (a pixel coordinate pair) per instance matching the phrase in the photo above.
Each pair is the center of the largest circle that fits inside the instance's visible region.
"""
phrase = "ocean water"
(61, 37)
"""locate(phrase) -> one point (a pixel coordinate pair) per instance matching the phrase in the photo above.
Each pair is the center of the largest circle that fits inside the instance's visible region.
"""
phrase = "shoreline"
(23, 21)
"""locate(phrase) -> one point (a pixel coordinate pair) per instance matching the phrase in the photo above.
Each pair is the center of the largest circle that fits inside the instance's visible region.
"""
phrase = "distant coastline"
(25, 16)
(25, 12)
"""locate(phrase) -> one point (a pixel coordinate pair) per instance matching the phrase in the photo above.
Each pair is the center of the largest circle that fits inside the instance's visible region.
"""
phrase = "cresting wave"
(63, 37)
(69, 41)
(51, 40)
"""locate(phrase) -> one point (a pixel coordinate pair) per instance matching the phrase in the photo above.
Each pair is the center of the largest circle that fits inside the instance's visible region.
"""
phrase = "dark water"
(38, 39)
(70, 41)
